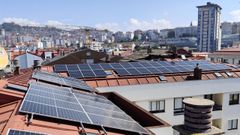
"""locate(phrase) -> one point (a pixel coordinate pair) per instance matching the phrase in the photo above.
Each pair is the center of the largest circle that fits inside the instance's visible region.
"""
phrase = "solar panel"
(66, 81)
(88, 73)
(23, 132)
(139, 68)
(75, 74)
(133, 71)
(84, 67)
(60, 68)
(122, 72)
(100, 73)
(72, 67)
(106, 66)
(66, 104)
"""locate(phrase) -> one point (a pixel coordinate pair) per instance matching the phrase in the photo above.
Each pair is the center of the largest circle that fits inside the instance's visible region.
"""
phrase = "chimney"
(197, 74)
(16, 67)
(197, 118)
(36, 64)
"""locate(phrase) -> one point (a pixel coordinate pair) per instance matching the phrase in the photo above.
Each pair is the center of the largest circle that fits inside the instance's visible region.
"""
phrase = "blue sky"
(113, 14)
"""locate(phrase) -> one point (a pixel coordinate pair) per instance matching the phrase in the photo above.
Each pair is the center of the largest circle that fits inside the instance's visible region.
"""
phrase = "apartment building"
(209, 27)
(159, 87)
(226, 55)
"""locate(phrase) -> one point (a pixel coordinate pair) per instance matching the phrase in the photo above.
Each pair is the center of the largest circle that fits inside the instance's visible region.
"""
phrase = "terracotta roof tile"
(113, 83)
(92, 83)
(211, 76)
(102, 83)
(21, 79)
(123, 82)
(153, 80)
(170, 79)
(133, 81)
(143, 81)
(234, 75)
(238, 73)
(224, 75)
(178, 78)
(205, 77)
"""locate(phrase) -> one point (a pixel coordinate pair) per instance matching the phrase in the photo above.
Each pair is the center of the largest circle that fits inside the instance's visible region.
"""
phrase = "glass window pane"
(178, 103)
(162, 105)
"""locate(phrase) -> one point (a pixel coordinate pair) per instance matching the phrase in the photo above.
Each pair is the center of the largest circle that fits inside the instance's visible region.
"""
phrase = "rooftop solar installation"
(23, 132)
(136, 68)
(64, 103)
(66, 81)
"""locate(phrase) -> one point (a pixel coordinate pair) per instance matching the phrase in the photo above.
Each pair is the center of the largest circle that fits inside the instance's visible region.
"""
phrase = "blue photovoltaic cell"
(60, 68)
(88, 73)
(106, 66)
(116, 65)
(23, 132)
(95, 67)
(66, 104)
(100, 73)
(143, 71)
(133, 71)
(72, 67)
(122, 72)
(126, 65)
(75, 74)
(84, 67)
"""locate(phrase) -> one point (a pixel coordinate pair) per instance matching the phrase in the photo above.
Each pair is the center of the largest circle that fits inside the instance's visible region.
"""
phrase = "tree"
(135, 38)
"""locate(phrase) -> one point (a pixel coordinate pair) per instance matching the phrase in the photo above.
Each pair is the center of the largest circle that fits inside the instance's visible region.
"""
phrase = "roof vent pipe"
(197, 73)
(16, 67)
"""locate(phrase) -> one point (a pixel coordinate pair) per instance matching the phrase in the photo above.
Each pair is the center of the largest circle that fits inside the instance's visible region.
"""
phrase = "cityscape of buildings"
(89, 81)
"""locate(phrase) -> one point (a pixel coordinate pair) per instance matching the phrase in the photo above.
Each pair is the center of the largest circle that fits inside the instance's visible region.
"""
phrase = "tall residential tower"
(209, 27)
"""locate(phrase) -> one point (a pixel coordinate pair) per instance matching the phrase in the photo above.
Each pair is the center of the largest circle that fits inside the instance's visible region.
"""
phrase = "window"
(233, 99)
(232, 124)
(157, 106)
(178, 106)
(210, 97)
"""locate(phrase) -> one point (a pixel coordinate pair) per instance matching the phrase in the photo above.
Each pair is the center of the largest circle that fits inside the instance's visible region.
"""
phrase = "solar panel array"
(66, 81)
(136, 68)
(21, 132)
(64, 103)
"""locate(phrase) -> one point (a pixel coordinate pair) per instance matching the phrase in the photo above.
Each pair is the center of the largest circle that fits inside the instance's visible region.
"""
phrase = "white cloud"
(194, 22)
(134, 24)
(235, 15)
(54, 23)
(146, 25)
(21, 21)
(109, 26)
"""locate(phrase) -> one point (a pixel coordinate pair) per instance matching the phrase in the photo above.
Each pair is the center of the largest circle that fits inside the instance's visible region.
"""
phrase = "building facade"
(166, 100)
(209, 27)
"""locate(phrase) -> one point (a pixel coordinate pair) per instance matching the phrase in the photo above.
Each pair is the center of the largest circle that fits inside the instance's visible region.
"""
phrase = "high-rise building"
(209, 27)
